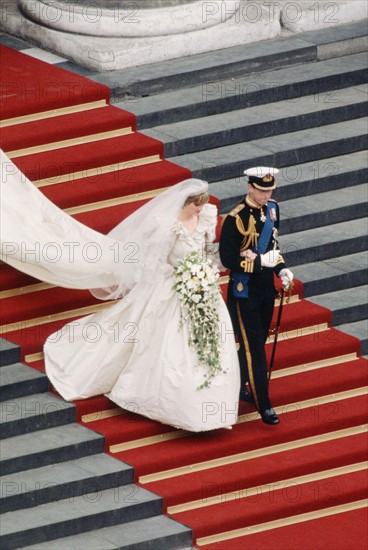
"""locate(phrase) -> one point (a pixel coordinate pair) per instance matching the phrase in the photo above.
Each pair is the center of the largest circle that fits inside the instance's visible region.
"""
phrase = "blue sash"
(240, 280)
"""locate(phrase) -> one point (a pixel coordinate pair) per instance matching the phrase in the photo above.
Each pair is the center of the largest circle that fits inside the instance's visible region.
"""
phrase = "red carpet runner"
(299, 485)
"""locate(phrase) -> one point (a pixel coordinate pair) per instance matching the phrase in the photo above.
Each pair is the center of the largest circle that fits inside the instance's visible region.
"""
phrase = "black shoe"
(270, 417)
(245, 395)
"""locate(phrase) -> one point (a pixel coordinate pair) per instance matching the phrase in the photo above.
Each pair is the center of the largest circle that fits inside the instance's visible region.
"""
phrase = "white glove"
(270, 259)
(286, 277)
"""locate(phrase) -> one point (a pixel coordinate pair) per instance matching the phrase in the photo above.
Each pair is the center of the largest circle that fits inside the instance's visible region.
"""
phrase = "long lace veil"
(41, 240)
(146, 235)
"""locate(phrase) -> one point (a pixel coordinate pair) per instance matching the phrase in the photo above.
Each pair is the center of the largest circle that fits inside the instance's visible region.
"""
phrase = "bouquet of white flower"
(196, 282)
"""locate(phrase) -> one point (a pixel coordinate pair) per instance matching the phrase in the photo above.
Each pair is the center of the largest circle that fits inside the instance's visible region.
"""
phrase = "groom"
(249, 248)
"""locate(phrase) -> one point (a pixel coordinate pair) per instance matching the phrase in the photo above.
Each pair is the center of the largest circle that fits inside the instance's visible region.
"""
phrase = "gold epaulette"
(236, 210)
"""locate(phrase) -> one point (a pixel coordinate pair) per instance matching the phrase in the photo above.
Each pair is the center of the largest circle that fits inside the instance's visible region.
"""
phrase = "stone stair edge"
(9, 352)
(34, 412)
(313, 211)
(24, 371)
(317, 238)
(153, 79)
(339, 229)
(161, 74)
(132, 535)
(343, 197)
(56, 444)
(247, 125)
(289, 149)
(346, 305)
(324, 243)
(326, 100)
(333, 274)
(358, 329)
(299, 180)
(80, 514)
(19, 380)
(62, 480)
(223, 95)
(321, 218)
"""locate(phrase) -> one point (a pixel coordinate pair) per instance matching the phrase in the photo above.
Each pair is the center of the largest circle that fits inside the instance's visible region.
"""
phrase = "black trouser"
(251, 318)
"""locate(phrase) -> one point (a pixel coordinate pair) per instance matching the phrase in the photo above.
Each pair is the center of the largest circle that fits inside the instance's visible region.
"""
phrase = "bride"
(143, 351)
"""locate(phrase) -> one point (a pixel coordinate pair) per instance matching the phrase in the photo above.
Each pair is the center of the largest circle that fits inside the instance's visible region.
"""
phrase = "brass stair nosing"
(289, 408)
(298, 369)
(20, 291)
(278, 485)
(282, 522)
(63, 315)
(72, 142)
(126, 199)
(98, 171)
(314, 365)
(256, 453)
(299, 332)
(102, 415)
(41, 115)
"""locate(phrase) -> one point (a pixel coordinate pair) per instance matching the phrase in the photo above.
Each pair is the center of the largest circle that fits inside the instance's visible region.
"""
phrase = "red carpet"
(30, 86)
(47, 302)
(340, 531)
(137, 179)
(296, 423)
(275, 503)
(257, 471)
(64, 127)
(240, 488)
(88, 156)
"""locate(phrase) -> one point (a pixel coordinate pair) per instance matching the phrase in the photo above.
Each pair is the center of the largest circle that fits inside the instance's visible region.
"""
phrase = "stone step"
(347, 306)
(321, 209)
(258, 57)
(300, 180)
(49, 446)
(231, 62)
(32, 413)
(78, 514)
(359, 329)
(223, 94)
(9, 352)
(318, 211)
(323, 243)
(333, 274)
(252, 123)
(18, 380)
(154, 533)
(340, 284)
(86, 475)
(284, 150)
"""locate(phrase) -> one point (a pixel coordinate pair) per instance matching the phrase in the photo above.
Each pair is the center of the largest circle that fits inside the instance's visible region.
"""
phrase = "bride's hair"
(198, 200)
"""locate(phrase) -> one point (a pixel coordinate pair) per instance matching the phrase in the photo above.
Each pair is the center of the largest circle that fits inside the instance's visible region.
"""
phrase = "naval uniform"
(251, 290)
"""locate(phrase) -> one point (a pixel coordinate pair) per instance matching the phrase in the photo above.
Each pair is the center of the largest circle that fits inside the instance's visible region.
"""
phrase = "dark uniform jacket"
(240, 231)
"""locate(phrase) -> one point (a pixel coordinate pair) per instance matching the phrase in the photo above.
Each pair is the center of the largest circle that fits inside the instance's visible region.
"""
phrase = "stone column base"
(106, 40)
(248, 23)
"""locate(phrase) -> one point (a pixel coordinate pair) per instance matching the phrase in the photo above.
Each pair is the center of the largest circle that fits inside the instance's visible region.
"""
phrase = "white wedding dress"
(134, 351)
(136, 354)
